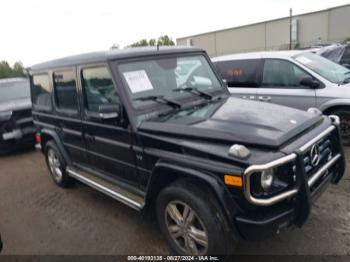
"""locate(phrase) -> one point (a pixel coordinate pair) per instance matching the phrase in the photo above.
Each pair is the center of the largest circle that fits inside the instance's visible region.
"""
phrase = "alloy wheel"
(186, 228)
(54, 165)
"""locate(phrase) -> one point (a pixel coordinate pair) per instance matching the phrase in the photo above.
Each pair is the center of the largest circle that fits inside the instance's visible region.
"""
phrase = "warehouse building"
(325, 26)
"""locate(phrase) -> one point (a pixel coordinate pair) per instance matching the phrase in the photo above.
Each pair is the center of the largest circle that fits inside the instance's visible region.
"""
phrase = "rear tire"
(344, 115)
(192, 221)
(56, 165)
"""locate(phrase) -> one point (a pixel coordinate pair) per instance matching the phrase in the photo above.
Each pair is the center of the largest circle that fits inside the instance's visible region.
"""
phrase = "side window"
(98, 88)
(41, 91)
(65, 90)
(240, 73)
(280, 73)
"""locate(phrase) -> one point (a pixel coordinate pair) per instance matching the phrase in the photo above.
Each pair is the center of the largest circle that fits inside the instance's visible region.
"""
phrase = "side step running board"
(114, 191)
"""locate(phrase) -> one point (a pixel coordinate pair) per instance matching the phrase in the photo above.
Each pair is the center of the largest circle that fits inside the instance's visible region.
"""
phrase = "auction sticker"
(138, 81)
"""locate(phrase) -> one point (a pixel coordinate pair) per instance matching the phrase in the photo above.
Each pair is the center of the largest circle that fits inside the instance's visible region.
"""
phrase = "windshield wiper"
(195, 91)
(160, 99)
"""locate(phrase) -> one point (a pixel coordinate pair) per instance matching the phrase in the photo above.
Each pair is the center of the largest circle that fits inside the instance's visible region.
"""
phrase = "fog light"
(267, 179)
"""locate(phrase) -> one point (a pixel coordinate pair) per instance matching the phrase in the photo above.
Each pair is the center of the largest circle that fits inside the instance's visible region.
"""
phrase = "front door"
(108, 140)
(281, 85)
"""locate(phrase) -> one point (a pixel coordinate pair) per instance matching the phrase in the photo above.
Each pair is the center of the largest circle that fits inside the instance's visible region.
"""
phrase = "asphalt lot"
(37, 217)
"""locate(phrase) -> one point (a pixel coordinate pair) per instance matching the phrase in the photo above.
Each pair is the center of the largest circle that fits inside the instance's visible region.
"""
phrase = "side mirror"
(308, 81)
(108, 111)
(202, 81)
(225, 82)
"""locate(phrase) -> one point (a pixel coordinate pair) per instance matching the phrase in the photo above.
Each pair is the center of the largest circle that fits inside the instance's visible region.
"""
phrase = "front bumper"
(16, 139)
(298, 202)
(18, 133)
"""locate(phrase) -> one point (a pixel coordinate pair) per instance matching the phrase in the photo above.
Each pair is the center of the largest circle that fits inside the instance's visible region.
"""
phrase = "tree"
(6, 71)
(347, 40)
(115, 46)
(164, 40)
(152, 42)
(18, 70)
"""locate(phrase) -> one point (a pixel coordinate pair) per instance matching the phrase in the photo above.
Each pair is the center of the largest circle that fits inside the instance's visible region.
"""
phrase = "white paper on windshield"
(304, 60)
(138, 81)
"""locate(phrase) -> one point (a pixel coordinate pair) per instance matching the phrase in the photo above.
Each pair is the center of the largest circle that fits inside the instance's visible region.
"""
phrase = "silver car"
(296, 79)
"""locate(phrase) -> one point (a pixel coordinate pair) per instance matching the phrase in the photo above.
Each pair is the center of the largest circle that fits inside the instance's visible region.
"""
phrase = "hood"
(236, 120)
(14, 105)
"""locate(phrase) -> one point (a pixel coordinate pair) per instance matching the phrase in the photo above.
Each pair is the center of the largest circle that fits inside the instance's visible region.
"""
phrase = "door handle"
(249, 97)
(265, 98)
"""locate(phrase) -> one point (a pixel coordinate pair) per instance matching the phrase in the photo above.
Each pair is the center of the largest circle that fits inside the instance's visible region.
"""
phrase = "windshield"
(165, 76)
(324, 67)
(11, 90)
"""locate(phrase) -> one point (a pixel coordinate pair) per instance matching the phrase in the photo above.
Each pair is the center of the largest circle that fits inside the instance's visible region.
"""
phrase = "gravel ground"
(37, 217)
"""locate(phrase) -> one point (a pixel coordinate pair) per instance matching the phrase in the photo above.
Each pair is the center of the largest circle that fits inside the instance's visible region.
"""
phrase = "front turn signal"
(231, 180)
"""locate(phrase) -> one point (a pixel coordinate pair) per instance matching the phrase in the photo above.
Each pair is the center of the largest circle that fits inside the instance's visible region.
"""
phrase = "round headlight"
(267, 179)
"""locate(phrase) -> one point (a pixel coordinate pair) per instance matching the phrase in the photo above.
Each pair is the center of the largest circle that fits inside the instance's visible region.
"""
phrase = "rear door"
(242, 76)
(69, 124)
(109, 141)
(281, 85)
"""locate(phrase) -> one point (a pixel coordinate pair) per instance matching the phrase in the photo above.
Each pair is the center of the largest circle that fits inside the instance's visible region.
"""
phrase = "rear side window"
(65, 90)
(240, 73)
(41, 91)
(98, 88)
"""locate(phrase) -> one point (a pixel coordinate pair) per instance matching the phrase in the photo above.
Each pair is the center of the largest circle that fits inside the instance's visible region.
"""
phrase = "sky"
(34, 31)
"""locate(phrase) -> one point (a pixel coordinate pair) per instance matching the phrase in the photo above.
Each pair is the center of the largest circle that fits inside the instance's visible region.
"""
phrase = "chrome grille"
(325, 154)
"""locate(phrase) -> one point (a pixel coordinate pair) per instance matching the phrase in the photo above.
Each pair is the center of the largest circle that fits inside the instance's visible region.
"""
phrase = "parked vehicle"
(339, 53)
(296, 79)
(213, 168)
(16, 123)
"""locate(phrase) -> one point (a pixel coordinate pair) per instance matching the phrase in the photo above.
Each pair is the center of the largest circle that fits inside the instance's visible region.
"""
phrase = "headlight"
(272, 181)
(267, 179)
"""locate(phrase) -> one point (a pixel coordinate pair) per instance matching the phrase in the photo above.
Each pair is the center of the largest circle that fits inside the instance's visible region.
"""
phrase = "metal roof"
(259, 55)
(103, 56)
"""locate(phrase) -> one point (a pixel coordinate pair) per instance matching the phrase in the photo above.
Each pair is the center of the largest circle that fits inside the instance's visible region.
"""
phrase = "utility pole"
(290, 28)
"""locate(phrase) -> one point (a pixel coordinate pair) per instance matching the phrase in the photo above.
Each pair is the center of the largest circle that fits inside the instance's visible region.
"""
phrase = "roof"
(259, 55)
(104, 56)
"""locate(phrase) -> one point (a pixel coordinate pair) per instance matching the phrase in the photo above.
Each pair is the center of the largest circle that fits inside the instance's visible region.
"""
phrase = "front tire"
(56, 165)
(192, 221)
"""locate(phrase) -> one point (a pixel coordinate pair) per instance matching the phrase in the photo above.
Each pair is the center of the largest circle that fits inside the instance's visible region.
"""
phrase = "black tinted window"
(65, 89)
(98, 88)
(280, 73)
(240, 73)
(41, 91)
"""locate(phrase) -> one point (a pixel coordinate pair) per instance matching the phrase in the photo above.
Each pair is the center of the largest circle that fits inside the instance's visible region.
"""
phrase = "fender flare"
(334, 103)
(58, 142)
(228, 205)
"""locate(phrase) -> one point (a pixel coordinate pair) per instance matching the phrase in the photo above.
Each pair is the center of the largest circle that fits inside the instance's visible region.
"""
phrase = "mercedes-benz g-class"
(157, 129)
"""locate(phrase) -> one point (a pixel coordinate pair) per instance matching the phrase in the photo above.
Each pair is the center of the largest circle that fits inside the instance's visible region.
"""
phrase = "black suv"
(157, 130)
(16, 123)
